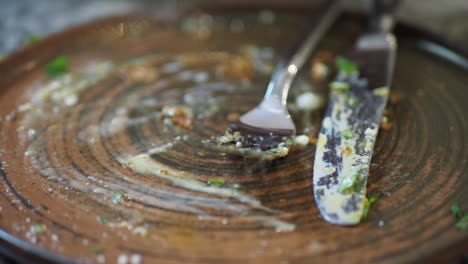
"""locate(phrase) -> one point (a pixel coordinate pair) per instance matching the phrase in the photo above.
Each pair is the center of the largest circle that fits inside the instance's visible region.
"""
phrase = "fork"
(268, 126)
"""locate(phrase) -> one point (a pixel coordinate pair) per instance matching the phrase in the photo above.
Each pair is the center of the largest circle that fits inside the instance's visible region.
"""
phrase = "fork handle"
(382, 15)
(294, 59)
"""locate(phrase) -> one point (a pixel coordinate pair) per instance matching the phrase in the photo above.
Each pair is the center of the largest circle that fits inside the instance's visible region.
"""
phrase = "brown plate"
(92, 172)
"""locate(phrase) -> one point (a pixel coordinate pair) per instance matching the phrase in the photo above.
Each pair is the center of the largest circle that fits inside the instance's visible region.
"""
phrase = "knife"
(349, 129)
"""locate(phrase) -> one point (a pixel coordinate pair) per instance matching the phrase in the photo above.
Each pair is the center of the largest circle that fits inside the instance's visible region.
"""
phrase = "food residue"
(216, 182)
(180, 116)
(460, 217)
(57, 67)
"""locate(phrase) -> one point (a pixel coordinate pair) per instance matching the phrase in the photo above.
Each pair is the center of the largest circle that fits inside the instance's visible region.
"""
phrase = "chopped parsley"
(117, 197)
(339, 87)
(97, 250)
(368, 202)
(32, 39)
(462, 223)
(101, 219)
(216, 182)
(345, 66)
(39, 228)
(214, 108)
(353, 101)
(462, 219)
(456, 211)
(347, 134)
(57, 67)
(350, 183)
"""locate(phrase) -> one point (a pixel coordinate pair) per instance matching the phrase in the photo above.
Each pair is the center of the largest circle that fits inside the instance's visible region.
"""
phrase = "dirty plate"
(97, 166)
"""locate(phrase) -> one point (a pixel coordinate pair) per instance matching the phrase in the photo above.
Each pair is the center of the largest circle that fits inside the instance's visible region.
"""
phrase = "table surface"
(22, 18)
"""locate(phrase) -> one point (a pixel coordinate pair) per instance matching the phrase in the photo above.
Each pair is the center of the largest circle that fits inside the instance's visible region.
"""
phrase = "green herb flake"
(368, 202)
(462, 223)
(456, 211)
(345, 66)
(339, 87)
(117, 197)
(39, 228)
(214, 108)
(347, 134)
(381, 91)
(97, 250)
(57, 67)
(350, 183)
(31, 39)
(216, 182)
(101, 219)
(353, 101)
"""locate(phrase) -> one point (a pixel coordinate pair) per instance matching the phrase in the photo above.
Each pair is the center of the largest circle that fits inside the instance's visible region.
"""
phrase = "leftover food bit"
(381, 91)
(351, 183)
(346, 67)
(385, 124)
(313, 140)
(31, 39)
(460, 217)
(97, 250)
(237, 67)
(193, 59)
(117, 197)
(353, 101)
(57, 67)
(319, 69)
(346, 151)
(200, 26)
(265, 147)
(394, 97)
(233, 116)
(309, 101)
(216, 182)
(347, 134)
(339, 87)
(141, 73)
(456, 211)
(101, 219)
(38, 228)
(260, 57)
(301, 140)
(368, 203)
(179, 116)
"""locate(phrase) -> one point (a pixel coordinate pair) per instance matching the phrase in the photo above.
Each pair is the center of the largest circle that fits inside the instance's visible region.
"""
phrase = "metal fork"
(271, 115)
(265, 132)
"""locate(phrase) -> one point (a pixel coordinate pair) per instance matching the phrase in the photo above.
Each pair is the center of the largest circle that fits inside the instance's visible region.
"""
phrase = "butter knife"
(358, 97)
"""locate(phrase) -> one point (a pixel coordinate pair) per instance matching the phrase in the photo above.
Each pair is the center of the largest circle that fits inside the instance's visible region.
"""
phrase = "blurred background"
(22, 18)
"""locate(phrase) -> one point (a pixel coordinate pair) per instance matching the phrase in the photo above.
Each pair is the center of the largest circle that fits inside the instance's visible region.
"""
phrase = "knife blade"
(349, 129)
